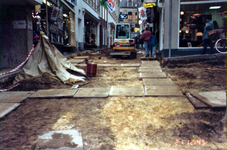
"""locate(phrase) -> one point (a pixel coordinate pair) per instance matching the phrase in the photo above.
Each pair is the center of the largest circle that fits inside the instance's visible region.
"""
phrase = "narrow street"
(122, 122)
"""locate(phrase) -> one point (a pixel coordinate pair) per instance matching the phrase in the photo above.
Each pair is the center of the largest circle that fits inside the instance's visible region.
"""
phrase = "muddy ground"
(123, 123)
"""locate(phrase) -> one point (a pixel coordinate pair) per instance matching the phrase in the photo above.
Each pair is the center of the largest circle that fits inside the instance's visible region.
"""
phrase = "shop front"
(56, 18)
(183, 23)
(90, 31)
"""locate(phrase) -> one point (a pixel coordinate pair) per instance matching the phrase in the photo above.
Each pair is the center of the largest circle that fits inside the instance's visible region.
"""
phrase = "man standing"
(146, 36)
(206, 39)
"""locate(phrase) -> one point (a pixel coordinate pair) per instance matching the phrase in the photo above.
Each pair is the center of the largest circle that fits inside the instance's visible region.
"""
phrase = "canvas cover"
(46, 58)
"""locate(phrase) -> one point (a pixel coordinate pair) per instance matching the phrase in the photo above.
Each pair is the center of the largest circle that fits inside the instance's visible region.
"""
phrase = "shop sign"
(19, 24)
(142, 13)
(110, 5)
(54, 13)
(136, 29)
(150, 1)
(149, 5)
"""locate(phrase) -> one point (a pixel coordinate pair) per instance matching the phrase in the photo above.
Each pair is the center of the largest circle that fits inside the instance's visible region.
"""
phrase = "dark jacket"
(146, 36)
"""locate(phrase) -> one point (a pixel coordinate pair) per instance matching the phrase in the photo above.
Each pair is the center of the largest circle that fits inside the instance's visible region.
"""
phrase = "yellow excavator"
(123, 44)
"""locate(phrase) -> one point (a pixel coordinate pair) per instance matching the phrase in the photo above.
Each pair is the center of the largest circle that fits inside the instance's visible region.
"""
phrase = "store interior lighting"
(215, 7)
(65, 15)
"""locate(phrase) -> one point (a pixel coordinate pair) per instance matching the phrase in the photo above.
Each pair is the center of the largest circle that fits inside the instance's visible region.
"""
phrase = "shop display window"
(193, 20)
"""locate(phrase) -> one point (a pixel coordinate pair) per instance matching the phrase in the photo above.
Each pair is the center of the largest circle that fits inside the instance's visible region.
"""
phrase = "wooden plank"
(195, 102)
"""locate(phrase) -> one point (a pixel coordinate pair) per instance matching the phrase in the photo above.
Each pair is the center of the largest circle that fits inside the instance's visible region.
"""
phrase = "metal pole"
(170, 27)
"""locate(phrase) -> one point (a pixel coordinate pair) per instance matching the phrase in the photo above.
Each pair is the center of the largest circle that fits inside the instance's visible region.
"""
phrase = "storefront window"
(193, 20)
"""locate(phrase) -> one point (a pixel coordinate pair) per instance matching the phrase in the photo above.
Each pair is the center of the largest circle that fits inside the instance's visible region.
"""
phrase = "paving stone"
(81, 57)
(141, 70)
(152, 75)
(76, 61)
(6, 108)
(130, 65)
(158, 82)
(54, 93)
(81, 65)
(195, 102)
(92, 92)
(165, 91)
(126, 91)
(14, 97)
(60, 140)
(150, 62)
(215, 99)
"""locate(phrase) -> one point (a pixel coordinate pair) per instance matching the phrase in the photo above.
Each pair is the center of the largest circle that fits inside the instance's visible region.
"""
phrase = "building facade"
(182, 24)
(129, 7)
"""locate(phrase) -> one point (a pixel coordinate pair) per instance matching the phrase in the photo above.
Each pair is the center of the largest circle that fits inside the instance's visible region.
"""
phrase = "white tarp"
(46, 58)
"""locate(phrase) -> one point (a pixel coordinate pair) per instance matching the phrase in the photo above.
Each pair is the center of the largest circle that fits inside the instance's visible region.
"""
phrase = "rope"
(4, 90)
(19, 66)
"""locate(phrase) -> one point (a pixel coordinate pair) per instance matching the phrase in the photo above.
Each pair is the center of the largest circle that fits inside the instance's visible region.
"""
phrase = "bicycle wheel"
(221, 46)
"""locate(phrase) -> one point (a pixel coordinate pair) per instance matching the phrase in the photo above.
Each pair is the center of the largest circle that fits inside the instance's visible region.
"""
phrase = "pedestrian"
(136, 41)
(207, 40)
(153, 43)
(141, 42)
(146, 36)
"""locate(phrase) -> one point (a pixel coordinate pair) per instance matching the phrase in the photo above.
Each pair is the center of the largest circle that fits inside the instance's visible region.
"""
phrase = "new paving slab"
(126, 91)
(152, 75)
(6, 108)
(14, 97)
(150, 62)
(76, 61)
(195, 102)
(54, 93)
(158, 82)
(60, 140)
(147, 70)
(92, 92)
(215, 99)
(81, 57)
(164, 91)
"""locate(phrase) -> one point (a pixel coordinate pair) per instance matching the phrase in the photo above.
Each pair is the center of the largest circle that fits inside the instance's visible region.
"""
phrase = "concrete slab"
(130, 65)
(215, 99)
(162, 91)
(14, 97)
(150, 62)
(195, 102)
(127, 91)
(54, 93)
(81, 57)
(158, 82)
(150, 66)
(152, 75)
(60, 140)
(148, 58)
(6, 108)
(141, 70)
(92, 92)
(76, 61)
(81, 65)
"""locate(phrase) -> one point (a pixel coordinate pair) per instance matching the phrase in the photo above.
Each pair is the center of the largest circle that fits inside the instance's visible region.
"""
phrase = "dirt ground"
(123, 123)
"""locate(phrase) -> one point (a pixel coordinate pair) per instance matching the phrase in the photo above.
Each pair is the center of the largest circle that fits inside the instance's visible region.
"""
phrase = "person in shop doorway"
(92, 39)
(207, 40)
(146, 36)
(87, 38)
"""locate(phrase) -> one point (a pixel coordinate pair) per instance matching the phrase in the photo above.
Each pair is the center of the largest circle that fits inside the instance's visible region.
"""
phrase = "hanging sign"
(110, 5)
(149, 5)
(142, 13)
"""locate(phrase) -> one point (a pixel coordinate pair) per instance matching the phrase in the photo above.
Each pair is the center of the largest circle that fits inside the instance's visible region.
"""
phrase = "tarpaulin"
(46, 58)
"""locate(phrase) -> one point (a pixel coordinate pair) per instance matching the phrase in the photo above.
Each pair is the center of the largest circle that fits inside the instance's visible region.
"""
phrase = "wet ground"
(123, 123)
